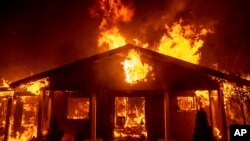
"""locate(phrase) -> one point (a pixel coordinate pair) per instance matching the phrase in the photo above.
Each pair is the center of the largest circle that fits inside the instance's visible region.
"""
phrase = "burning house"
(128, 93)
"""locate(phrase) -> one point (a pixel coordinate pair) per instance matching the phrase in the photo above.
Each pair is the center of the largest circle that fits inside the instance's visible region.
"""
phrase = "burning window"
(185, 103)
(78, 108)
(130, 117)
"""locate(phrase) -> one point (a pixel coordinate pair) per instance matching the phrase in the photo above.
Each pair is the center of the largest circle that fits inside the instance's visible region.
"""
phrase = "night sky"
(38, 35)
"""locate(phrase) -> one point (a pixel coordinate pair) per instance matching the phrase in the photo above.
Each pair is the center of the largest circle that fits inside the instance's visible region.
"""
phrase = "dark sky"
(37, 35)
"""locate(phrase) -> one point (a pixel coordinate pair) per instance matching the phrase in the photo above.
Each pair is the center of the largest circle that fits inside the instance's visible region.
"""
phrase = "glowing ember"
(112, 38)
(134, 69)
(182, 42)
(36, 86)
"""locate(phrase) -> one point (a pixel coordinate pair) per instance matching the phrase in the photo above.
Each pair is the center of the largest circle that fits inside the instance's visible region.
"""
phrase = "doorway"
(129, 118)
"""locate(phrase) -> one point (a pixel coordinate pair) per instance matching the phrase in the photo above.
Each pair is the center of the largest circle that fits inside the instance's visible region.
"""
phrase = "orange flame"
(112, 38)
(113, 11)
(134, 118)
(217, 133)
(4, 83)
(29, 120)
(36, 86)
(137, 42)
(134, 69)
(203, 97)
(182, 42)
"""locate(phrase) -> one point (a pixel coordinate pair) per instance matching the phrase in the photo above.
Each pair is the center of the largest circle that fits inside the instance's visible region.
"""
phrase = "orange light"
(134, 69)
(182, 42)
(36, 86)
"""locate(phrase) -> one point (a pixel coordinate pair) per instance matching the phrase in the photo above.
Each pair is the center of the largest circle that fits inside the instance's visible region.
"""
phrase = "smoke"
(112, 12)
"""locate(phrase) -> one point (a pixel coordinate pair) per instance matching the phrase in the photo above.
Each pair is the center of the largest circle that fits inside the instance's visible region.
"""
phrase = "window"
(78, 108)
(186, 103)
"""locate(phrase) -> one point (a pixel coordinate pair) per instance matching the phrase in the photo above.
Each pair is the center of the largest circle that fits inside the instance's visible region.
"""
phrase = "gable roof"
(158, 56)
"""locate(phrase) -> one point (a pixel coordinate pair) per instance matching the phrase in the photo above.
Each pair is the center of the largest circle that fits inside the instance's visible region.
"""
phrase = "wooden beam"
(93, 117)
(223, 115)
(7, 125)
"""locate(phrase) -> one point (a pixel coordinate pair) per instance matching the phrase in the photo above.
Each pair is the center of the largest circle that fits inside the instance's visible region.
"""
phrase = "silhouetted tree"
(238, 98)
(202, 130)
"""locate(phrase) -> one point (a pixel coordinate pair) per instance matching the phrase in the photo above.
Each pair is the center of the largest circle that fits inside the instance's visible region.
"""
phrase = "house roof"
(157, 56)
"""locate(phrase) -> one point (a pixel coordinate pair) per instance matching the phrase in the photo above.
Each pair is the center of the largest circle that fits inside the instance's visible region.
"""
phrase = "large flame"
(133, 110)
(29, 120)
(134, 69)
(35, 86)
(112, 38)
(182, 42)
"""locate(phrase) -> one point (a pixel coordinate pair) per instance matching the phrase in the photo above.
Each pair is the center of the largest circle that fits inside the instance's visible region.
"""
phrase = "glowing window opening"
(130, 117)
(187, 103)
(78, 108)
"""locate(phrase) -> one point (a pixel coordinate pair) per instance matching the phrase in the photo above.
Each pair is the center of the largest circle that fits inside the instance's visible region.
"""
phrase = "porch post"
(210, 108)
(7, 125)
(223, 114)
(166, 116)
(40, 113)
(93, 117)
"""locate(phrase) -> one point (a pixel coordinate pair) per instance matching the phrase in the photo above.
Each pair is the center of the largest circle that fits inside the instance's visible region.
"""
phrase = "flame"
(203, 97)
(35, 86)
(4, 83)
(228, 91)
(113, 12)
(217, 133)
(29, 120)
(137, 42)
(134, 69)
(182, 42)
(112, 38)
(134, 117)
